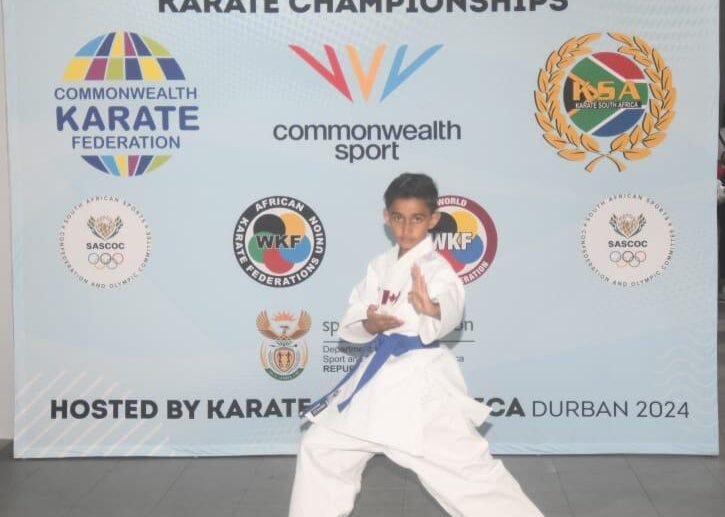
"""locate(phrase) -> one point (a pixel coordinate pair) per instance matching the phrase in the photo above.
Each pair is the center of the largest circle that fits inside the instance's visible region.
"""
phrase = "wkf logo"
(279, 241)
(366, 79)
(465, 236)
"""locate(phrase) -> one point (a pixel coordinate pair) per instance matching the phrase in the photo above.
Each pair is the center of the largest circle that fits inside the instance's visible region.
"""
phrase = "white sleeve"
(447, 290)
(364, 294)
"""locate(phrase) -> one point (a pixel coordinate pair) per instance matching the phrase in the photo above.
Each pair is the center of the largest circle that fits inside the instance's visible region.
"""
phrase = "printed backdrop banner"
(197, 186)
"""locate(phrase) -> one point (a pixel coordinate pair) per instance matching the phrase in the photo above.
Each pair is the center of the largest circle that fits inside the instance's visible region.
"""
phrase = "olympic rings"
(105, 260)
(628, 258)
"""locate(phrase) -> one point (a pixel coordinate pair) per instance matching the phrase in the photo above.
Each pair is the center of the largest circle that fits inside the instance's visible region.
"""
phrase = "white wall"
(6, 343)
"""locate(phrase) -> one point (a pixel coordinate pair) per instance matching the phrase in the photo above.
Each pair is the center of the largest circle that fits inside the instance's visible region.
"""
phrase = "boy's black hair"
(411, 185)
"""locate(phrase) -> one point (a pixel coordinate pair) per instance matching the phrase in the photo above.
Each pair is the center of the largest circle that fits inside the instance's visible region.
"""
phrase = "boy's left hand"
(419, 296)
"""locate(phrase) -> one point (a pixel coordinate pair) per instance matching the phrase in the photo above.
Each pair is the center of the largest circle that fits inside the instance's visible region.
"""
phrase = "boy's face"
(410, 219)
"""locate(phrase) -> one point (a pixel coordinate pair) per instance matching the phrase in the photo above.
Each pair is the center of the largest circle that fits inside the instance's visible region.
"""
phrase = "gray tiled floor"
(562, 486)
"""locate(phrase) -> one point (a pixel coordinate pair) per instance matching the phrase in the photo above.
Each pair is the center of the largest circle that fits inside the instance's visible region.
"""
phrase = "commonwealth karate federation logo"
(279, 241)
(465, 236)
(628, 240)
(609, 105)
(125, 104)
(284, 356)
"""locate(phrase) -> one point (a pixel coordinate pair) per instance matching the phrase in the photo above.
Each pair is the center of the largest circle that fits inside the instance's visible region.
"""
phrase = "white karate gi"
(415, 410)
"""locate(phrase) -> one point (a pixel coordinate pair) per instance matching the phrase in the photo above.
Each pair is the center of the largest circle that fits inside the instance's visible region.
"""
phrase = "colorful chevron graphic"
(126, 165)
(366, 79)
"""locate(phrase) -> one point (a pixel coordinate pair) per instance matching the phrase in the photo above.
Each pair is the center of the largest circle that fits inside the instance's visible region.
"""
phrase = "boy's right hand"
(378, 322)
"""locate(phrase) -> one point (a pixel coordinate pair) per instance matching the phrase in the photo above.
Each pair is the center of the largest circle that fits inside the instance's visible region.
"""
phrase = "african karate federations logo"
(125, 104)
(105, 242)
(283, 354)
(279, 241)
(628, 240)
(607, 105)
(465, 236)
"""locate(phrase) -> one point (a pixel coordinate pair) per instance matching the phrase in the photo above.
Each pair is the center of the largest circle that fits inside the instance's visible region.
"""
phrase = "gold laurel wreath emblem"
(634, 145)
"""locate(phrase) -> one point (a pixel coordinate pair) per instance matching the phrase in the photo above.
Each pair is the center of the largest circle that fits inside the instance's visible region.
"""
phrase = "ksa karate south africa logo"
(611, 105)
(125, 104)
(465, 236)
(105, 242)
(279, 241)
(285, 356)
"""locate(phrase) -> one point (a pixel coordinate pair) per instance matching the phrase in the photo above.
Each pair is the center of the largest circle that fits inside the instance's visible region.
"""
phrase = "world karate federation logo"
(284, 356)
(279, 241)
(465, 236)
(605, 106)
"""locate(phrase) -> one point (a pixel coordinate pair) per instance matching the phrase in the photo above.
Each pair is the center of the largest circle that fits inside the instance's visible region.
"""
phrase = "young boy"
(407, 398)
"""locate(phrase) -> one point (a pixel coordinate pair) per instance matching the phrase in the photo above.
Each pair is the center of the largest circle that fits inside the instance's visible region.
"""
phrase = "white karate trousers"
(455, 467)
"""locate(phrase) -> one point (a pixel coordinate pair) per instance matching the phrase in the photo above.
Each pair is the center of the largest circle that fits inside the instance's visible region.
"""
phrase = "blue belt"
(384, 346)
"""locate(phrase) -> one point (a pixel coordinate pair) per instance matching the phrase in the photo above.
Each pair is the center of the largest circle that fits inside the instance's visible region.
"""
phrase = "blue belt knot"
(383, 346)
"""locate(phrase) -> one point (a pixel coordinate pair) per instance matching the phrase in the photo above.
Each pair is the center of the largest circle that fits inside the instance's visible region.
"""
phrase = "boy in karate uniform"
(406, 398)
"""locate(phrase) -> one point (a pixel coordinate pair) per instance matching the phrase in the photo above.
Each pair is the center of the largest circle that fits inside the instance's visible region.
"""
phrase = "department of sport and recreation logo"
(105, 242)
(611, 105)
(279, 241)
(628, 240)
(355, 74)
(465, 236)
(366, 79)
(125, 104)
(283, 355)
